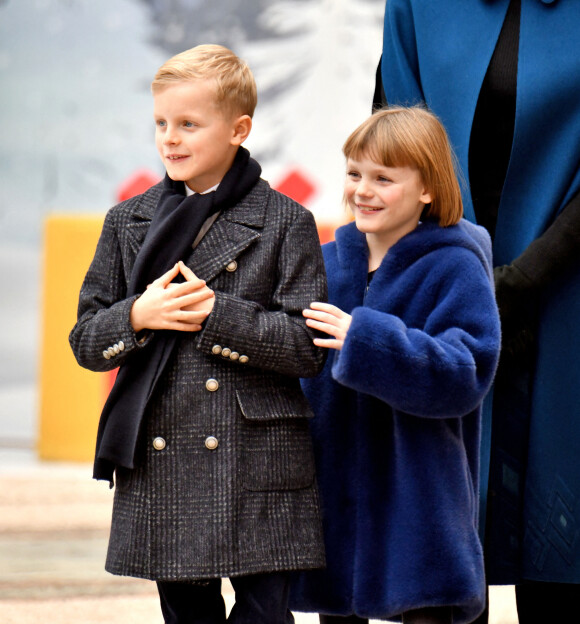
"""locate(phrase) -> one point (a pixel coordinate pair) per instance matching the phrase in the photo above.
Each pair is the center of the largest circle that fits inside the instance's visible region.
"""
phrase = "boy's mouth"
(175, 157)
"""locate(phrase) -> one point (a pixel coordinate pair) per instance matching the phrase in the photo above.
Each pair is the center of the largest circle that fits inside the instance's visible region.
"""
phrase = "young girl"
(415, 331)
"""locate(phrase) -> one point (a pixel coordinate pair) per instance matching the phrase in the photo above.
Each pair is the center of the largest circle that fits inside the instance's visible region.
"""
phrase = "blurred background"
(77, 127)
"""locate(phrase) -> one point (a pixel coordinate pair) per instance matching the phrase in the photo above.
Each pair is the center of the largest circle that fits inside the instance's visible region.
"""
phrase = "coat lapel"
(233, 232)
(138, 225)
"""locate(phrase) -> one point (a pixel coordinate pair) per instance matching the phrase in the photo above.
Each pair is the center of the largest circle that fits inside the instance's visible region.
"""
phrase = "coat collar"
(233, 231)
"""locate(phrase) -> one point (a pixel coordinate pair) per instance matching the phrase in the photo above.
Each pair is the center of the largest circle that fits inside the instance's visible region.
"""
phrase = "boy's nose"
(171, 137)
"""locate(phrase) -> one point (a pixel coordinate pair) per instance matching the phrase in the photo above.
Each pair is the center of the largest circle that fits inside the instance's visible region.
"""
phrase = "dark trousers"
(543, 602)
(339, 619)
(260, 599)
(437, 615)
(547, 602)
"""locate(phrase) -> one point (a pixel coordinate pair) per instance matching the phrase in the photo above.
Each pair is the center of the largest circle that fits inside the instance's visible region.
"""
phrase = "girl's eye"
(383, 179)
(353, 174)
(188, 124)
(161, 123)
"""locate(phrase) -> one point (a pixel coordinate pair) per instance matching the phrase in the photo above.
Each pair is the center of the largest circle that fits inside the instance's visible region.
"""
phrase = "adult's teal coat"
(397, 425)
(438, 53)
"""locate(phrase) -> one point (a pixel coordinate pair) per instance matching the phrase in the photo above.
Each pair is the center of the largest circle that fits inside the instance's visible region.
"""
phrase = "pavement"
(54, 524)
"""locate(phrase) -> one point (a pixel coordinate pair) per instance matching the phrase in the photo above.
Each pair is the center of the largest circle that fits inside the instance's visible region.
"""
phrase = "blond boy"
(196, 291)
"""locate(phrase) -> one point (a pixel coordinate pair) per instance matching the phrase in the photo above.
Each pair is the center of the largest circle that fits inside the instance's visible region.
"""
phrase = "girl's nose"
(363, 189)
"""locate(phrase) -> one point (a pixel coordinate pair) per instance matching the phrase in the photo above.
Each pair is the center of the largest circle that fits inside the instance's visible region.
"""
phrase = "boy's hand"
(180, 307)
(202, 304)
(328, 319)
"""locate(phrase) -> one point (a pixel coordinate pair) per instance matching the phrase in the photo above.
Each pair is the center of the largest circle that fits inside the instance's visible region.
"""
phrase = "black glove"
(518, 309)
(521, 286)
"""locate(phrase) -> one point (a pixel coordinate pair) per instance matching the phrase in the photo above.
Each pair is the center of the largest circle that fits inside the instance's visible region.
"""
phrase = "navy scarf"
(174, 227)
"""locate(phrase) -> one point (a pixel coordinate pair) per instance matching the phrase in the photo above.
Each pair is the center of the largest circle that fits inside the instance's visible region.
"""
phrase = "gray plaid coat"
(224, 483)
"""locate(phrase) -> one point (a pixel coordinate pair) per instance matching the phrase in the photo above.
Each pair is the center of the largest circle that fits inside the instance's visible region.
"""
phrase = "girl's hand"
(165, 305)
(330, 320)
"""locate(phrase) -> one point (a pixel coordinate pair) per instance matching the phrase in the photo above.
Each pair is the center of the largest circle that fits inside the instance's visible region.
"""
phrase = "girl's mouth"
(369, 208)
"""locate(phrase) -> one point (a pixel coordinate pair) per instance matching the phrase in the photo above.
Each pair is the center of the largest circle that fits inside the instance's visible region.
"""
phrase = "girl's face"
(387, 202)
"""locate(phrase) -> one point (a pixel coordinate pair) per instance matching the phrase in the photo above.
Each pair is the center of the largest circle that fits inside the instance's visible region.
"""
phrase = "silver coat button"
(212, 385)
(159, 444)
(216, 349)
(232, 266)
(106, 355)
(244, 359)
(234, 355)
(226, 352)
(121, 345)
(111, 351)
(211, 443)
(116, 349)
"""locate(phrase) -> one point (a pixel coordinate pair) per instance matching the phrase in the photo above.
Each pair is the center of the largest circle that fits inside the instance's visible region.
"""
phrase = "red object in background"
(136, 184)
(296, 186)
(325, 233)
(299, 188)
(108, 381)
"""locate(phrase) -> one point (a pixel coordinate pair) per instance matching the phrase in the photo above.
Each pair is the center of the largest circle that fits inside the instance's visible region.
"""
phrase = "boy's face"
(196, 140)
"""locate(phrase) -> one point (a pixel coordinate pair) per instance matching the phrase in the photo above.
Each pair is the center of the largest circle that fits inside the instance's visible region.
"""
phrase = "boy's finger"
(187, 288)
(192, 317)
(187, 272)
(196, 297)
(166, 278)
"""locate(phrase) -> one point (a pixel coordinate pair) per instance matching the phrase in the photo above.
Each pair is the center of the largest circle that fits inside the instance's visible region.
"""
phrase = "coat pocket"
(276, 452)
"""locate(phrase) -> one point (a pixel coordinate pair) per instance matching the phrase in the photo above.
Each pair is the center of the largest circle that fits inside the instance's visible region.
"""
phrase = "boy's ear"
(242, 127)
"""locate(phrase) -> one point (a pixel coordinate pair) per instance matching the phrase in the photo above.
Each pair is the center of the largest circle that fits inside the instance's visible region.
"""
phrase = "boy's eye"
(161, 123)
(353, 174)
(188, 124)
(383, 179)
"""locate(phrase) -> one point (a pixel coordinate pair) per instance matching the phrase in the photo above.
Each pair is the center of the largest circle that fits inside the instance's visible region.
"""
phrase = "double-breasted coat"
(224, 481)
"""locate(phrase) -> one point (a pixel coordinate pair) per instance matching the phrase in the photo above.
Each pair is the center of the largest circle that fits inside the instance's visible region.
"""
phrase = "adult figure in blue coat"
(504, 77)
(414, 329)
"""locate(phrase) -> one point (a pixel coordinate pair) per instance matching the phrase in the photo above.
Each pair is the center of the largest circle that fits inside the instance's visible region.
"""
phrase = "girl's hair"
(236, 89)
(397, 136)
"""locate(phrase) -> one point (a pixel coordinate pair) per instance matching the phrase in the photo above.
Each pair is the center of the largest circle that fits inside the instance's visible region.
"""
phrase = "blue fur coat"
(397, 425)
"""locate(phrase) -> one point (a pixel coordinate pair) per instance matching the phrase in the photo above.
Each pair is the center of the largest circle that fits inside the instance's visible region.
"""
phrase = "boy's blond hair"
(236, 89)
(397, 136)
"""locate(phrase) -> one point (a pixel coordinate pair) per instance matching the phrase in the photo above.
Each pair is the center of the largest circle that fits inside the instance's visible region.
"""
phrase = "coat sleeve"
(103, 319)
(441, 369)
(277, 338)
